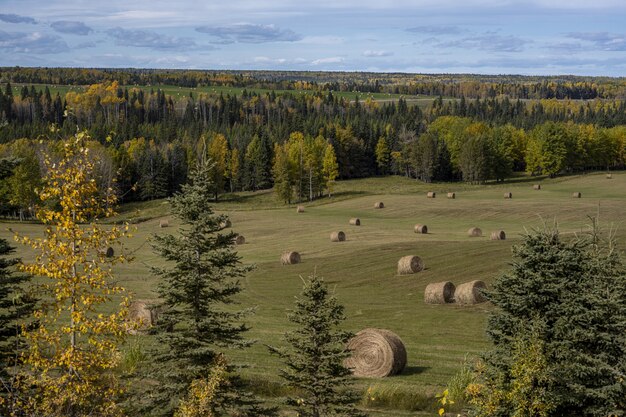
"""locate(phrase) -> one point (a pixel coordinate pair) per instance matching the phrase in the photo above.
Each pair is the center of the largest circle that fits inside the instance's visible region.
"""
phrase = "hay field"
(362, 270)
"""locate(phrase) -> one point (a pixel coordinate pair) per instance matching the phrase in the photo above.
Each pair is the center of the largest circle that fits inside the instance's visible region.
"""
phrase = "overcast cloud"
(487, 36)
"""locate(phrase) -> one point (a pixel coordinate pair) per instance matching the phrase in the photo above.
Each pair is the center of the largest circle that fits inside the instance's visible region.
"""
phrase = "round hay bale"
(141, 315)
(609, 176)
(355, 221)
(240, 240)
(290, 258)
(379, 205)
(439, 293)
(537, 187)
(431, 194)
(508, 195)
(470, 293)
(421, 228)
(164, 223)
(109, 252)
(451, 195)
(499, 235)
(577, 195)
(376, 353)
(337, 237)
(225, 224)
(300, 209)
(475, 232)
(410, 265)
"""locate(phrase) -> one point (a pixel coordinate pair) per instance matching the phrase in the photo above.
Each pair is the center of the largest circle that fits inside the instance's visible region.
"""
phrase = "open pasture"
(362, 270)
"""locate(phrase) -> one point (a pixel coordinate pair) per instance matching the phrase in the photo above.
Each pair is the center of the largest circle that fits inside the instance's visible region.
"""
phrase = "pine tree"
(573, 292)
(315, 354)
(15, 306)
(74, 348)
(197, 290)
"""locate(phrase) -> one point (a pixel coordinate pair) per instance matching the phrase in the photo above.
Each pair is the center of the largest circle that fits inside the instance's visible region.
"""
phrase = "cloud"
(330, 60)
(601, 40)
(436, 30)
(491, 42)
(35, 42)
(376, 54)
(14, 18)
(250, 33)
(85, 45)
(72, 27)
(149, 39)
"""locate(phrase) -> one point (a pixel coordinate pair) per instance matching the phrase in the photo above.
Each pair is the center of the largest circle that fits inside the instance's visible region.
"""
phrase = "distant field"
(362, 270)
(176, 91)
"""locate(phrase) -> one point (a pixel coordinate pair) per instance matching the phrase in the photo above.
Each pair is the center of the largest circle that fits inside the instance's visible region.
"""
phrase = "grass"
(362, 270)
(179, 92)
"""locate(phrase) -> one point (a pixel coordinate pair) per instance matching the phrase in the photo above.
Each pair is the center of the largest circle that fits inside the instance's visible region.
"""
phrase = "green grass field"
(362, 270)
(179, 92)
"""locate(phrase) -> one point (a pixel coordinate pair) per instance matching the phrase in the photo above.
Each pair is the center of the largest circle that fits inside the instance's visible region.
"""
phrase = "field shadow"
(414, 370)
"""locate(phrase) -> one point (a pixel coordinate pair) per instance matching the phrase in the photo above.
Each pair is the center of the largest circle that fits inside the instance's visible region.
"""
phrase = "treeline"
(146, 142)
(456, 86)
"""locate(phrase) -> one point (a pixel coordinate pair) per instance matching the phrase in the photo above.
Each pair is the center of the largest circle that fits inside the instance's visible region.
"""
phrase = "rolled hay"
(451, 195)
(499, 235)
(379, 205)
(225, 224)
(475, 232)
(420, 228)
(164, 223)
(109, 252)
(508, 195)
(470, 293)
(410, 264)
(141, 315)
(431, 194)
(290, 258)
(609, 176)
(300, 209)
(439, 293)
(537, 187)
(337, 237)
(240, 240)
(355, 221)
(577, 195)
(376, 353)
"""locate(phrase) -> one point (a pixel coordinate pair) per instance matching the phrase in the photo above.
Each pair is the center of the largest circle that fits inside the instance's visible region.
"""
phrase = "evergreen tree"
(571, 294)
(15, 305)
(315, 355)
(197, 292)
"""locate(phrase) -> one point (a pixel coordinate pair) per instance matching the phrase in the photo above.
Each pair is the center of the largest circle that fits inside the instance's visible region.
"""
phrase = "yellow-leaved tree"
(82, 318)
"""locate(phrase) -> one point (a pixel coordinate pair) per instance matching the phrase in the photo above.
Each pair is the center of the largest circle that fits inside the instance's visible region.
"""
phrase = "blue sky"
(540, 37)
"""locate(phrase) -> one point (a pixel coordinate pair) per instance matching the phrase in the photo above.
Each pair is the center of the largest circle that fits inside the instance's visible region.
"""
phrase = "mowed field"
(180, 92)
(362, 270)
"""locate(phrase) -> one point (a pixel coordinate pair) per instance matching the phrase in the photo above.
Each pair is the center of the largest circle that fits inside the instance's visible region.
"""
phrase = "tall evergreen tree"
(315, 354)
(573, 293)
(15, 305)
(197, 290)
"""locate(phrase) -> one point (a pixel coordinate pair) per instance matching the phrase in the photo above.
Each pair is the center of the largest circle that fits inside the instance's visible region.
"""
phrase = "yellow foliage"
(72, 352)
(202, 393)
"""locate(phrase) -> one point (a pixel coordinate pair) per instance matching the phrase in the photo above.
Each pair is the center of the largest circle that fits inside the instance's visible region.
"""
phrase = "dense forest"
(145, 141)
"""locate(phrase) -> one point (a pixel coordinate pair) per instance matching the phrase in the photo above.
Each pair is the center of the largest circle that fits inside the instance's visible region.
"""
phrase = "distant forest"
(476, 128)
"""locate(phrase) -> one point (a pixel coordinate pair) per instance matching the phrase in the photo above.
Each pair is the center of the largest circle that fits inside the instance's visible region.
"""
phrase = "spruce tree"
(315, 354)
(197, 290)
(573, 291)
(15, 305)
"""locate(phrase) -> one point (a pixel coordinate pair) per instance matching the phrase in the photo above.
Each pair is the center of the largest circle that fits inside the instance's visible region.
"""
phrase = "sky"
(539, 37)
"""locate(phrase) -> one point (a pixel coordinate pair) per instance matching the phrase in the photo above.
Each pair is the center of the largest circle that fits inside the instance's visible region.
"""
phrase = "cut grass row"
(362, 270)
